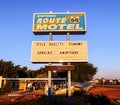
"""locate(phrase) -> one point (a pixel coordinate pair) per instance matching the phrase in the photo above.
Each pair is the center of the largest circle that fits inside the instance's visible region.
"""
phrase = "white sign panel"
(59, 51)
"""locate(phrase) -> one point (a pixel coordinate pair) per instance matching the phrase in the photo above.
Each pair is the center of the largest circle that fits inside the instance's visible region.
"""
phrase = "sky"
(103, 31)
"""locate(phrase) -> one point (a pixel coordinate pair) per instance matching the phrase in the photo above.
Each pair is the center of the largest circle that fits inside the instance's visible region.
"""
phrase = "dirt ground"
(113, 93)
(22, 98)
(16, 98)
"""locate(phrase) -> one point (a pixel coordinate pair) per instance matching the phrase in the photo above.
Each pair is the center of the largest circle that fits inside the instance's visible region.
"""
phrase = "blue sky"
(103, 31)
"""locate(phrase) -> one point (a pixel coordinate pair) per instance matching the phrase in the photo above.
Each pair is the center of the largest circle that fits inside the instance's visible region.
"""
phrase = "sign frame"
(70, 16)
(59, 51)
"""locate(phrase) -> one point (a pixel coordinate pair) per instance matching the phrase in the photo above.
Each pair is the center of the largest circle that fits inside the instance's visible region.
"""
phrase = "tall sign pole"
(69, 76)
(49, 74)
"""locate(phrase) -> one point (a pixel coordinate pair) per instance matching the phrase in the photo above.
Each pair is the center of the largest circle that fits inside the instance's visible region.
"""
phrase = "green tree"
(83, 72)
(40, 73)
(7, 69)
(29, 74)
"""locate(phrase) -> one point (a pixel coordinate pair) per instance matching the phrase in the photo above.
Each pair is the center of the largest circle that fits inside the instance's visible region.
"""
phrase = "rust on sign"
(63, 68)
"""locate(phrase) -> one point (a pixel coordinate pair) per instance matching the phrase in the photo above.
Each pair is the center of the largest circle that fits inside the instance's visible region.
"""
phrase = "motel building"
(22, 84)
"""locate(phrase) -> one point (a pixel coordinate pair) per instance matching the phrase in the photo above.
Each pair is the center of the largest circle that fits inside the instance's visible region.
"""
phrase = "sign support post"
(49, 74)
(69, 76)
(0, 81)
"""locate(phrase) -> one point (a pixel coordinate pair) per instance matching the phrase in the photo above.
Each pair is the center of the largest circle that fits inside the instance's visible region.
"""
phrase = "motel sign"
(58, 23)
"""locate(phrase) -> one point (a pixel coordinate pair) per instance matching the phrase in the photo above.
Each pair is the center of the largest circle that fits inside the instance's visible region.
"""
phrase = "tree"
(29, 74)
(7, 69)
(40, 73)
(83, 72)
